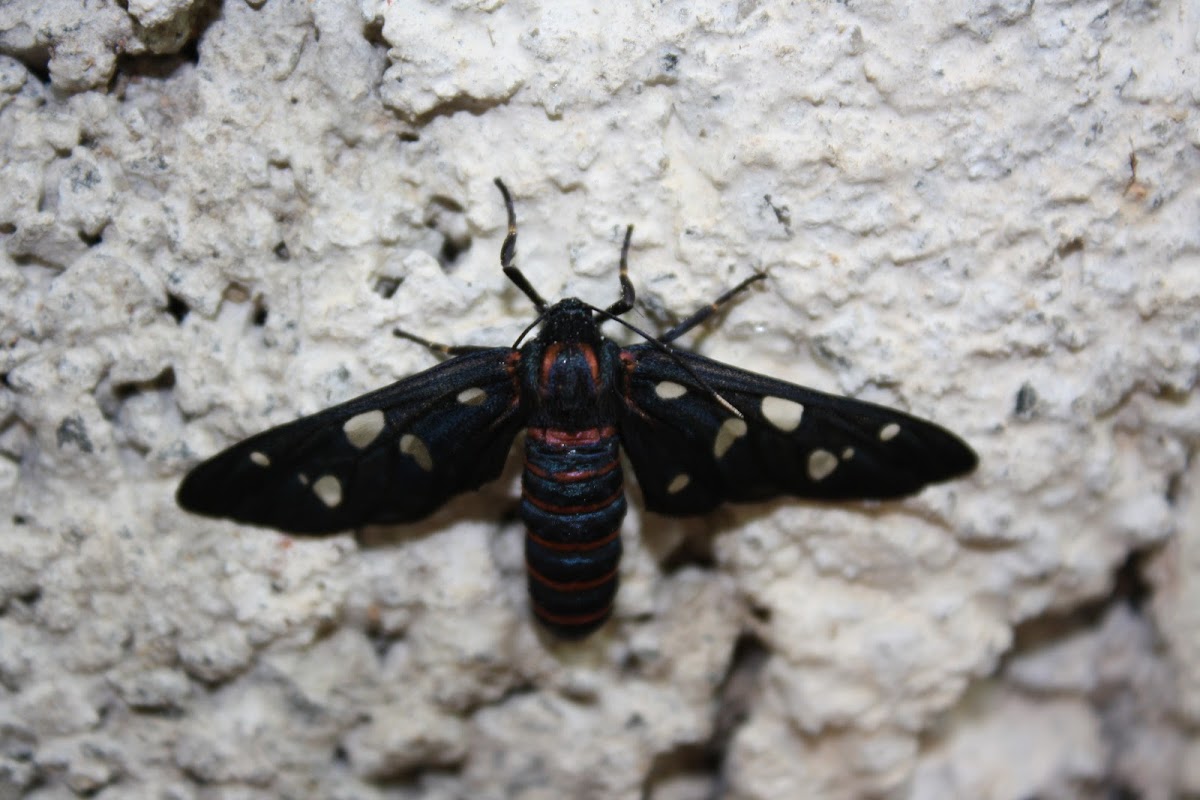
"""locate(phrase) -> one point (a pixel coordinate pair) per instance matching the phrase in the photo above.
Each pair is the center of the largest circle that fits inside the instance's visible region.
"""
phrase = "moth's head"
(570, 320)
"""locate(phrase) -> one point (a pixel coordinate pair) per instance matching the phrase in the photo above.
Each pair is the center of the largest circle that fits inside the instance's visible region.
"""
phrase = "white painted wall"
(953, 200)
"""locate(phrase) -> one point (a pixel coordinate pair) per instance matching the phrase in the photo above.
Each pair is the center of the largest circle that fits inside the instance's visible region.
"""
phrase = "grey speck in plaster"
(976, 200)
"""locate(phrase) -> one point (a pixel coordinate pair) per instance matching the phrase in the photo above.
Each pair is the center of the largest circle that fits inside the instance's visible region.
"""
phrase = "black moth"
(698, 433)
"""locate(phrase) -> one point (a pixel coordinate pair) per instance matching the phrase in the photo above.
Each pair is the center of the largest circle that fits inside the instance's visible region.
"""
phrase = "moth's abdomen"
(572, 503)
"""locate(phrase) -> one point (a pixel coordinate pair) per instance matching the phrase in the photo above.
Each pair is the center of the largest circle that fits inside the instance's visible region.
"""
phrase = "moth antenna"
(663, 348)
(530, 327)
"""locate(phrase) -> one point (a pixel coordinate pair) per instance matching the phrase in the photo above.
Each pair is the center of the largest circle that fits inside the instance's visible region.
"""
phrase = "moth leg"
(508, 251)
(710, 309)
(627, 293)
(438, 348)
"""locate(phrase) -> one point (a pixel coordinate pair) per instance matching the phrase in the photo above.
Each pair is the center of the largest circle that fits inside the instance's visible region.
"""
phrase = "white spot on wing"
(730, 431)
(820, 464)
(669, 390)
(848, 454)
(888, 432)
(362, 429)
(328, 490)
(472, 397)
(412, 446)
(782, 413)
(678, 483)
(260, 459)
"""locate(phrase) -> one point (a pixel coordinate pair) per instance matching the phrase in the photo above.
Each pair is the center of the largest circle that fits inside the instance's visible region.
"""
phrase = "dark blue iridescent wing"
(394, 455)
(691, 454)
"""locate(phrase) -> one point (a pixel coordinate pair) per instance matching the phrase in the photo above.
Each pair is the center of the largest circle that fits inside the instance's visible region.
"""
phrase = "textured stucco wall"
(986, 213)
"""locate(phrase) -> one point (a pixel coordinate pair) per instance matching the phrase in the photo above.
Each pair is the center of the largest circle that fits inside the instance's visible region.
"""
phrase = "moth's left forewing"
(690, 453)
(393, 455)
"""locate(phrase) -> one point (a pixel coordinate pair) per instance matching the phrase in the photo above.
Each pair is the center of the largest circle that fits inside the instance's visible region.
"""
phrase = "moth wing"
(691, 454)
(393, 455)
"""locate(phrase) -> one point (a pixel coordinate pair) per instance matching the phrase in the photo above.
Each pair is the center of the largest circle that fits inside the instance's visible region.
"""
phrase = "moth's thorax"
(568, 383)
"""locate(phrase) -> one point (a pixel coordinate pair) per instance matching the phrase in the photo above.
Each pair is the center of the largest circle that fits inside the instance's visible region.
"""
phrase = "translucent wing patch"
(393, 455)
(690, 454)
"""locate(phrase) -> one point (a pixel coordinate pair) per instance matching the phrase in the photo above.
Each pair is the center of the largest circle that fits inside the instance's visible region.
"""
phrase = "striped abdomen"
(572, 503)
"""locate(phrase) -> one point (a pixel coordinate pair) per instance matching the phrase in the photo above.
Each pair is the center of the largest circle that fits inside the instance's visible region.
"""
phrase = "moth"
(696, 432)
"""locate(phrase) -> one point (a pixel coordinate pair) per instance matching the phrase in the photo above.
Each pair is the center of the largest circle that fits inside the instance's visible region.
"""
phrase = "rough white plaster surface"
(212, 213)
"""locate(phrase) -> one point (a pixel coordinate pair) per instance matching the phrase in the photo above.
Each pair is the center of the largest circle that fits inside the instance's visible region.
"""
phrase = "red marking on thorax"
(552, 353)
(553, 436)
